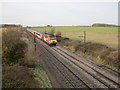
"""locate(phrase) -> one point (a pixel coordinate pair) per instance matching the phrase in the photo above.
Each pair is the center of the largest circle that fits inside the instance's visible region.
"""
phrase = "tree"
(52, 31)
(58, 34)
(48, 26)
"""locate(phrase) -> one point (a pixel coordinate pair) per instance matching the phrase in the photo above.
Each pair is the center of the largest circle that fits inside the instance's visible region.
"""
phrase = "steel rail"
(84, 64)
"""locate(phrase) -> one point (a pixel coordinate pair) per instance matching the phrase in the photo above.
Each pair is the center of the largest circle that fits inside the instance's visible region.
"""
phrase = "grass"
(97, 60)
(105, 35)
(0, 58)
(32, 60)
(80, 29)
(0, 41)
(98, 36)
(0, 44)
(42, 77)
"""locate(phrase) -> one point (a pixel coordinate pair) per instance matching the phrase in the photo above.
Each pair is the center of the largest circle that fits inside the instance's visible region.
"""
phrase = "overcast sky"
(59, 13)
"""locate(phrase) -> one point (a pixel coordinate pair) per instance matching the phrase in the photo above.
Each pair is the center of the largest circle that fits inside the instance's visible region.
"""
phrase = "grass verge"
(32, 61)
(99, 53)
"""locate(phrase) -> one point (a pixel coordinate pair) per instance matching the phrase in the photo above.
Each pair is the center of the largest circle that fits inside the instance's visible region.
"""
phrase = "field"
(105, 35)
(0, 36)
(0, 43)
(0, 56)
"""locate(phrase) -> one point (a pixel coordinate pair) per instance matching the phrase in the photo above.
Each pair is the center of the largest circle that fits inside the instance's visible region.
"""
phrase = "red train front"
(46, 37)
(50, 39)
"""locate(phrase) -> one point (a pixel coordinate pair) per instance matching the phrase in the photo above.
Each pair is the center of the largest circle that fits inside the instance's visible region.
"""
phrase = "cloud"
(59, 13)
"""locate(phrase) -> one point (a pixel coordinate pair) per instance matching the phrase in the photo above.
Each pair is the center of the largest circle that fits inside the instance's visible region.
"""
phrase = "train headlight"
(53, 41)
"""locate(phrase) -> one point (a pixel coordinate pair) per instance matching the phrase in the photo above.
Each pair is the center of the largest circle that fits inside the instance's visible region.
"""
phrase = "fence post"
(84, 41)
(34, 41)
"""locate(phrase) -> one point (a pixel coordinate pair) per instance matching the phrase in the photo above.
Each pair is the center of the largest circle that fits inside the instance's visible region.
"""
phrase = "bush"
(18, 77)
(20, 68)
(29, 61)
(97, 50)
(12, 45)
(52, 31)
(58, 34)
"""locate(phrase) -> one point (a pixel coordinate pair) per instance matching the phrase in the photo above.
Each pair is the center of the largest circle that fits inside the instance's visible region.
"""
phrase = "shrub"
(18, 77)
(29, 61)
(58, 34)
(12, 45)
(52, 31)
(97, 50)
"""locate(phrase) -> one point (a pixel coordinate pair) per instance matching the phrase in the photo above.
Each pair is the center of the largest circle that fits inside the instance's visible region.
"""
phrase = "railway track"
(65, 77)
(72, 79)
(93, 71)
(67, 71)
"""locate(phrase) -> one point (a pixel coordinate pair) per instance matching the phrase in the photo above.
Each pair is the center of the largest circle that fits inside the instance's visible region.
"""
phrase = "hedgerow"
(20, 63)
(97, 52)
(12, 45)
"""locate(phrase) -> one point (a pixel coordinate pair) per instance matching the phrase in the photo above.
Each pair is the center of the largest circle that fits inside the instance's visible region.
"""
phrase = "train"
(48, 38)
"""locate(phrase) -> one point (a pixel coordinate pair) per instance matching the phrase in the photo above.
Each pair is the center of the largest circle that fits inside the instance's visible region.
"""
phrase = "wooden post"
(34, 41)
(84, 41)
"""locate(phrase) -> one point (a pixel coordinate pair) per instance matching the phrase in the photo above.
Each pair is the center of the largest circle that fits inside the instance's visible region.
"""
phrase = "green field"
(0, 41)
(0, 36)
(105, 35)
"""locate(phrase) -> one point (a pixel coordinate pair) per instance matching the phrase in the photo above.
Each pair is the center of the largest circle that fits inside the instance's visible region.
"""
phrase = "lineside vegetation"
(101, 45)
(21, 67)
(99, 53)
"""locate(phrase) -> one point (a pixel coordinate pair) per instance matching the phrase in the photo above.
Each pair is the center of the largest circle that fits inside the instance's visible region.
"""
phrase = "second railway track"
(95, 73)
(70, 74)
(70, 78)
(64, 76)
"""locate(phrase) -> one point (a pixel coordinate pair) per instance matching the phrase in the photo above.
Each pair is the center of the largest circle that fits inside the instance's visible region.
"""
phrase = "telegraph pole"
(84, 41)
(34, 42)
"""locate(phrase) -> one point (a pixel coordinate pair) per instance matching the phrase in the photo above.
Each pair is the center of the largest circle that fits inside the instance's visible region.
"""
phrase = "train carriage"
(50, 39)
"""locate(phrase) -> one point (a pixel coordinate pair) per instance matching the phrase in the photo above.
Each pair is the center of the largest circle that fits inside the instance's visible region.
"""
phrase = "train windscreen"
(52, 38)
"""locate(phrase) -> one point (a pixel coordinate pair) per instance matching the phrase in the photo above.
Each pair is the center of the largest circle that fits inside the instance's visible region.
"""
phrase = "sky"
(75, 12)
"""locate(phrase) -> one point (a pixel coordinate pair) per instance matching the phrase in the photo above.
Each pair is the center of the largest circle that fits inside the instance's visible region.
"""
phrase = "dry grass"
(104, 35)
(100, 53)
(0, 36)
(32, 60)
(0, 40)
(108, 38)
(0, 57)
